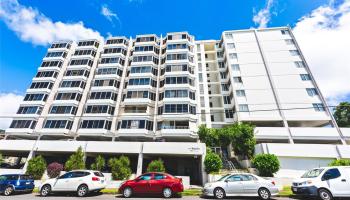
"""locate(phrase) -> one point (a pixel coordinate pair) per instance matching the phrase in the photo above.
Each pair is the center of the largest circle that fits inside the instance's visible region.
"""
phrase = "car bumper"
(208, 192)
(307, 191)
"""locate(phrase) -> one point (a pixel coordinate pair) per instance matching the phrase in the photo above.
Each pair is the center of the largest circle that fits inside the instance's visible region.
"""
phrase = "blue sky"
(28, 26)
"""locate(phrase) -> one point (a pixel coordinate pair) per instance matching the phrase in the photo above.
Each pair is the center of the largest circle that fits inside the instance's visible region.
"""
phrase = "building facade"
(152, 89)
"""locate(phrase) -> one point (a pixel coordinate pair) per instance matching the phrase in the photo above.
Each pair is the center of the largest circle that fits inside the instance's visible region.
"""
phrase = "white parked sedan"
(80, 181)
(241, 184)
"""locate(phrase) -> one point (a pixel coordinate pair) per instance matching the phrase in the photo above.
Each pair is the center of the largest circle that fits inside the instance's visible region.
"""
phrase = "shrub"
(36, 167)
(1, 159)
(212, 162)
(156, 166)
(267, 164)
(243, 141)
(54, 169)
(120, 168)
(340, 162)
(75, 161)
(99, 163)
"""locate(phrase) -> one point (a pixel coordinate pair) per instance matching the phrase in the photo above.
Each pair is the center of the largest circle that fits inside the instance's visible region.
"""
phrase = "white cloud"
(9, 103)
(263, 17)
(324, 39)
(32, 26)
(109, 14)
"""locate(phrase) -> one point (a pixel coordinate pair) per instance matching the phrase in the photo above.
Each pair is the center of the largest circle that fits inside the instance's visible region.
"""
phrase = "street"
(106, 196)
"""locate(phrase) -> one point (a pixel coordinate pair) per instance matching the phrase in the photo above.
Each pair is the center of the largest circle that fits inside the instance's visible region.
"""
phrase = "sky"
(27, 27)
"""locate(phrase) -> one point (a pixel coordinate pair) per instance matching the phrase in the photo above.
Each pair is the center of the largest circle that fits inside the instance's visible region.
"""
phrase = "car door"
(336, 181)
(76, 180)
(62, 182)
(346, 173)
(157, 183)
(142, 184)
(233, 185)
(250, 184)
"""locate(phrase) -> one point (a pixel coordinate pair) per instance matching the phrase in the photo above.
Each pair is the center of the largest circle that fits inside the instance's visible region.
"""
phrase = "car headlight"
(207, 185)
(309, 182)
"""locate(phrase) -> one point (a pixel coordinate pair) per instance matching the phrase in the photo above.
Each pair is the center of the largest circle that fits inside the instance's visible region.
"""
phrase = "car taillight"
(180, 179)
(95, 179)
(273, 182)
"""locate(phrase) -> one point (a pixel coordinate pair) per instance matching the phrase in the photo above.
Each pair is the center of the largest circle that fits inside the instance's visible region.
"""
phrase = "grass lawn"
(286, 192)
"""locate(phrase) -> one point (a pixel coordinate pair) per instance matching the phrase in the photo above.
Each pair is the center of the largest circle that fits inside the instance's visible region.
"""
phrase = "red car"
(152, 183)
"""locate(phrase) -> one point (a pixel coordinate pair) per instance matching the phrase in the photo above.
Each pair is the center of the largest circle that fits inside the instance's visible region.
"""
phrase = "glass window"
(305, 77)
(318, 107)
(159, 176)
(234, 178)
(235, 67)
(230, 45)
(299, 64)
(146, 177)
(331, 174)
(243, 108)
(240, 93)
(311, 92)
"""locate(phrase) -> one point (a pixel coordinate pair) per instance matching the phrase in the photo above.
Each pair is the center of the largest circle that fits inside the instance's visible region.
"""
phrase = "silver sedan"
(241, 184)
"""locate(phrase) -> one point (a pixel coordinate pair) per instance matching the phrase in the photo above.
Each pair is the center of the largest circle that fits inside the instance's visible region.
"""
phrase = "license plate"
(295, 189)
(27, 183)
(102, 181)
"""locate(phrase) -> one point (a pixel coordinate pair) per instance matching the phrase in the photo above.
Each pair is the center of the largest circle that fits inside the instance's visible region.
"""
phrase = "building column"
(30, 156)
(139, 161)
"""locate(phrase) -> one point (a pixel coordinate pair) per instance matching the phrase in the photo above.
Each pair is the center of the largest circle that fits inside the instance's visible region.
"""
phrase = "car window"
(247, 177)
(146, 177)
(331, 173)
(26, 177)
(11, 177)
(312, 173)
(78, 174)
(3, 178)
(98, 174)
(159, 176)
(224, 177)
(67, 175)
(234, 178)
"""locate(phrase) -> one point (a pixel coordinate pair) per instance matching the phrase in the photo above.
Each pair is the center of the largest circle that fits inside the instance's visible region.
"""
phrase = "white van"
(324, 182)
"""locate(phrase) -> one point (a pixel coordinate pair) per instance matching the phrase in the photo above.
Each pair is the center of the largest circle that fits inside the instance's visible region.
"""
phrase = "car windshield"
(222, 178)
(312, 173)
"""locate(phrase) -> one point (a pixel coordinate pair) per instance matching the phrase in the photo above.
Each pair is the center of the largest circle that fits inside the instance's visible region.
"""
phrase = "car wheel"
(8, 191)
(264, 193)
(82, 191)
(219, 193)
(45, 190)
(167, 193)
(127, 192)
(325, 194)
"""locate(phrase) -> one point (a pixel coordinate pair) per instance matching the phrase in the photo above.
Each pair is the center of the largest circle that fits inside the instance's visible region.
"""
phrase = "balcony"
(137, 101)
(319, 133)
(130, 132)
(44, 79)
(94, 132)
(271, 133)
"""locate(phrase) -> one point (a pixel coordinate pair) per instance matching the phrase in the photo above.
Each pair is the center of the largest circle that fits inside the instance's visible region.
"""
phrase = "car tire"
(325, 194)
(8, 191)
(219, 193)
(264, 193)
(45, 190)
(82, 190)
(127, 192)
(167, 193)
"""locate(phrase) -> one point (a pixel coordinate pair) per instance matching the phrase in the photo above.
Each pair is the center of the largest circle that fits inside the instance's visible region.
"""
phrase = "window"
(294, 52)
(142, 81)
(177, 93)
(60, 45)
(228, 113)
(63, 110)
(96, 124)
(29, 110)
(225, 87)
(235, 67)
(68, 96)
(289, 41)
(103, 95)
(51, 64)
(146, 177)
(311, 92)
(243, 108)
(331, 174)
(23, 124)
(88, 43)
(232, 56)
(112, 60)
(72, 84)
(223, 75)
(176, 46)
(36, 85)
(106, 82)
(35, 97)
(85, 52)
(159, 176)
(220, 54)
(116, 41)
(178, 68)
(144, 69)
(247, 177)
(240, 93)
(176, 108)
(299, 64)
(100, 109)
(178, 80)
(145, 39)
(221, 65)
(235, 178)
(81, 62)
(114, 50)
(228, 36)
(140, 94)
(285, 32)
(237, 79)
(200, 77)
(231, 45)
(136, 124)
(145, 59)
(60, 124)
(104, 71)
(56, 54)
(182, 56)
(77, 73)
(46, 74)
(305, 77)
(227, 99)
(318, 107)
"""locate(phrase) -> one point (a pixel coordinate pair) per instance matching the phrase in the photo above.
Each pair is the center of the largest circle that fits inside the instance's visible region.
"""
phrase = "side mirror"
(226, 180)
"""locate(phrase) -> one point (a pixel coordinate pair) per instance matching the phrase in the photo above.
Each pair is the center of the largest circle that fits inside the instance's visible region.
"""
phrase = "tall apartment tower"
(157, 91)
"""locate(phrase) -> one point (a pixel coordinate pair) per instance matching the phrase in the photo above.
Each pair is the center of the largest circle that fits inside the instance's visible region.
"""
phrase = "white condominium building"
(154, 91)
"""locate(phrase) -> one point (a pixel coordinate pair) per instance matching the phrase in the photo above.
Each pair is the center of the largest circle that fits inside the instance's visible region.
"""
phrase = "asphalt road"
(105, 196)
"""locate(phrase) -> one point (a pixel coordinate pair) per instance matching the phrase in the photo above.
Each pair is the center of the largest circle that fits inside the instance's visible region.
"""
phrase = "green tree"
(208, 136)
(75, 161)
(120, 168)
(212, 162)
(267, 164)
(1, 159)
(99, 163)
(36, 167)
(242, 138)
(342, 114)
(156, 166)
(340, 162)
